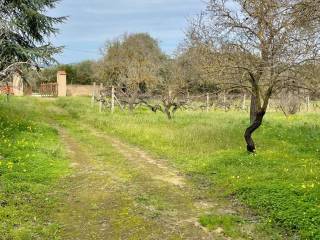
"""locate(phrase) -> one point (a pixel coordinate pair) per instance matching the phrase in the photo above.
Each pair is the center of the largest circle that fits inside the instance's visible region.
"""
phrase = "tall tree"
(24, 32)
(259, 45)
(85, 72)
(132, 65)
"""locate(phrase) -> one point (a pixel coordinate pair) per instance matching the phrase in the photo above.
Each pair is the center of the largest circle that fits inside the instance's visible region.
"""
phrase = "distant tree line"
(80, 73)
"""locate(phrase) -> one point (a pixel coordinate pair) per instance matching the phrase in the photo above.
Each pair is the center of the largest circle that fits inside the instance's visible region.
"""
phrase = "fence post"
(308, 103)
(225, 101)
(7, 91)
(93, 94)
(208, 102)
(244, 102)
(100, 102)
(170, 94)
(112, 99)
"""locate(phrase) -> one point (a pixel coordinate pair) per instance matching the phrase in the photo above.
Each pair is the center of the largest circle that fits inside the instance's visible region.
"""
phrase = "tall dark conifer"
(25, 29)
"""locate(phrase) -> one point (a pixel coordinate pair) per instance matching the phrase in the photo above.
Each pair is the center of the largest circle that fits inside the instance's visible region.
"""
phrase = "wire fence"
(111, 98)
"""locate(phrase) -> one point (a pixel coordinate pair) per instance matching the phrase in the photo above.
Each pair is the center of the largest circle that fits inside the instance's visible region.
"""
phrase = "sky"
(92, 22)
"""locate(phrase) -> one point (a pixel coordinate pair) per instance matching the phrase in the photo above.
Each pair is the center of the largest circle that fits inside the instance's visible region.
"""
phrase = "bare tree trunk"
(225, 101)
(131, 105)
(168, 113)
(253, 108)
(250, 130)
(132, 101)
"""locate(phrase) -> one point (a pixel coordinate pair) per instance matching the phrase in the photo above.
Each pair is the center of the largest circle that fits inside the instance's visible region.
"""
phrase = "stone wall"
(79, 90)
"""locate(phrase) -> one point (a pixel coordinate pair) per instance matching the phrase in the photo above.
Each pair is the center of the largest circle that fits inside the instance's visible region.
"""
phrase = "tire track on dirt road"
(160, 171)
(119, 191)
(132, 201)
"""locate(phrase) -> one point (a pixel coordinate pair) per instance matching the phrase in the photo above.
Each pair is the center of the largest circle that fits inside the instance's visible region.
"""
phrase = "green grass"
(31, 162)
(213, 222)
(280, 183)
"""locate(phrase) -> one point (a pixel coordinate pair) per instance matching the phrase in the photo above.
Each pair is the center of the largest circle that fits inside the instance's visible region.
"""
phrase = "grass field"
(280, 183)
(32, 161)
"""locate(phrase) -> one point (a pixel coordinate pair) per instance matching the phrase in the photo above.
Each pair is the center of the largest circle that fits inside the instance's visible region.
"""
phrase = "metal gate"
(49, 89)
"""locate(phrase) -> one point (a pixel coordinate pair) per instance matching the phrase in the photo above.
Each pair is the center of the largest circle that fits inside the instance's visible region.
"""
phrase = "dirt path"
(118, 191)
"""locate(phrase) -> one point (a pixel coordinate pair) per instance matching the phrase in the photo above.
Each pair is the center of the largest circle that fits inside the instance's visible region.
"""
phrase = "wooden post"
(308, 103)
(208, 102)
(100, 102)
(244, 107)
(170, 94)
(7, 91)
(93, 94)
(188, 96)
(112, 99)
(225, 101)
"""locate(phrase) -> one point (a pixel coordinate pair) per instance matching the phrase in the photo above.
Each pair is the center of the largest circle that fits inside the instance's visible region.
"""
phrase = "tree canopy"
(132, 64)
(24, 32)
